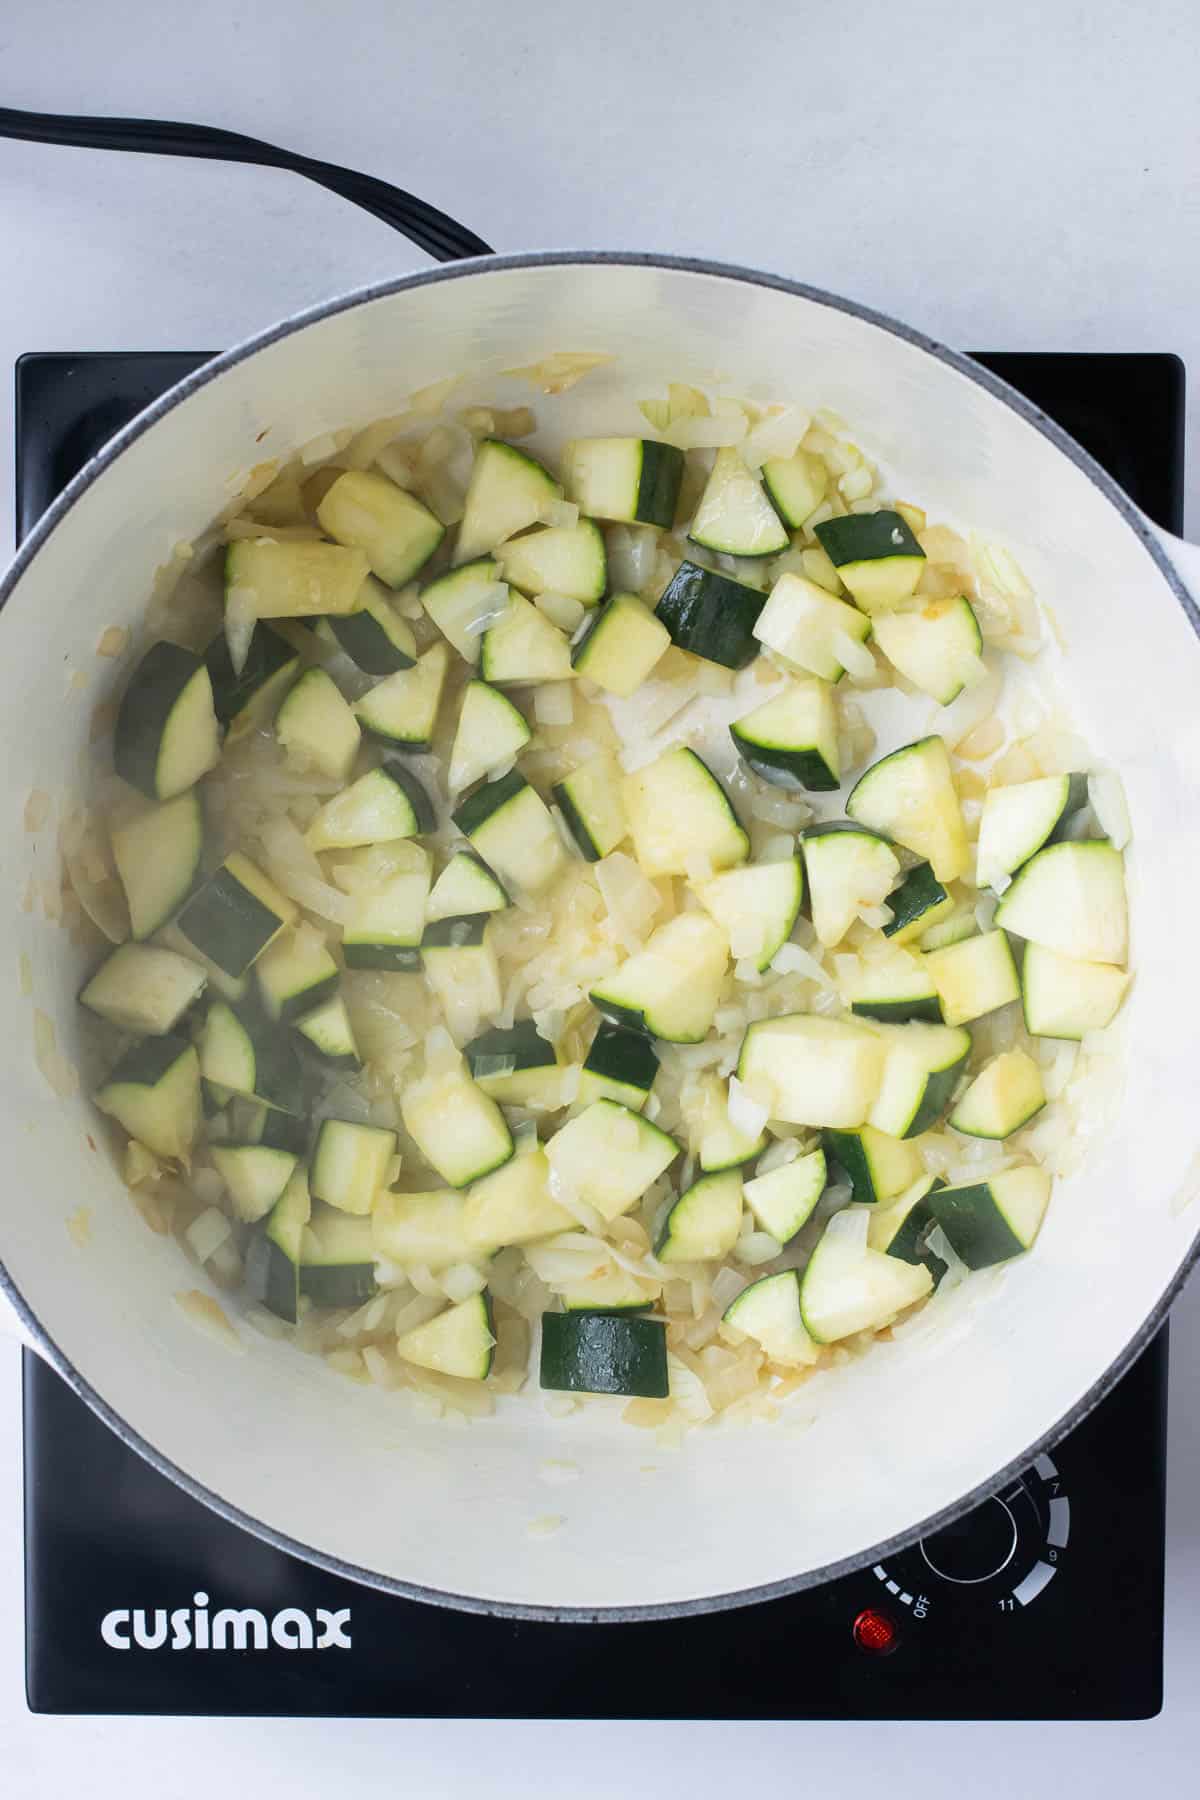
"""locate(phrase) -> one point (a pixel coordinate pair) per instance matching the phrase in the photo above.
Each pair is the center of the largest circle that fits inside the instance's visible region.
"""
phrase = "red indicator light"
(875, 1632)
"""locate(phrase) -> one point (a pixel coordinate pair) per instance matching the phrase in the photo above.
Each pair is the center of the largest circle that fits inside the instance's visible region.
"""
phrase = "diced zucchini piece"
(769, 1312)
(604, 1353)
(350, 1164)
(296, 973)
(261, 1124)
(756, 907)
(337, 1261)
(157, 854)
(517, 1066)
(956, 924)
(1071, 898)
(813, 1071)
(939, 649)
(847, 1287)
(803, 625)
(385, 924)
(511, 827)
(671, 986)
(523, 646)
(255, 1175)
(317, 720)
(236, 914)
(166, 735)
(911, 798)
(1018, 820)
(621, 645)
(724, 1145)
(796, 485)
(143, 989)
(792, 740)
(607, 1156)
(894, 990)
(367, 512)
(460, 966)
(628, 480)
(328, 1031)
(270, 667)
(385, 803)
(989, 1221)
(464, 886)
(245, 1052)
(458, 1129)
(507, 493)
(620, 1065)
(877, 1167)
(704, 1222)
(375, 638)
(559, 559)
(902, 1228)
(295, 579)
(427, 1229)
(230, 987)
(876, 556)
(514, 1205)
(402, 711)
(783, 1199)
(917, 904)
(973, 977)
(273, 1258)
(154, 1093)
(491, 731)
(681, 819)
(462, 602)
(590, 801)
(921, 1067)
(608, 1289)
(711, 615)
(848, 868)
(1005, 1095)
(734, 516)
(458, 1342)
(1065, 998)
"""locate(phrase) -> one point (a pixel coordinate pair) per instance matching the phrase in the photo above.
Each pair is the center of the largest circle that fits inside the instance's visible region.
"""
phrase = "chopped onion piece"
(558, 512)
(240, 619)
(854, 657)
(1106, 794)
(746, 1114)
(553, 703)
(207, 1232)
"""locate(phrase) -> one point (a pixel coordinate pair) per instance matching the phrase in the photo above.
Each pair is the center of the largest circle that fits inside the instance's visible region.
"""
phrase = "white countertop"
(1021, 178)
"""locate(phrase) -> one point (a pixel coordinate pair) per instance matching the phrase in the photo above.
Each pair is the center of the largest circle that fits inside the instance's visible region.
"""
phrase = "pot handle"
(424, 225)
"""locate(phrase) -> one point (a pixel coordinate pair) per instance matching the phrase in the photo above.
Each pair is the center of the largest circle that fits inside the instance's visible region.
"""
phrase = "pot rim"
(963, 365)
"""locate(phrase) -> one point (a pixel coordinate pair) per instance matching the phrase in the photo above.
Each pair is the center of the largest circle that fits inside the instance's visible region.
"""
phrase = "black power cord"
(431, 230)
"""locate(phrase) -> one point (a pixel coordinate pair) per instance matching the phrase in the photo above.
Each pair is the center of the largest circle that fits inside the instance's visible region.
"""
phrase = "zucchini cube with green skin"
(457, 602)
(724, 1145)
(607, 1156)
(802, 623)
(958, 923)
(350, 1164)
(589, 799)
(517, 1066)
(491, 733)
(1005, 1095)
(711, 615)
(917, 904)
(973, 977)
(273, 1256)
(514, 1205)
(847, 868)
(384, 924)
(625, 480)
(385, 803)
(877, 1167)
(375, 638)
(1018, 820)
(316, 720)
(428, 1229)
(402, 710)
(813, 1071)
(792, 740)
(796, 485)
(158, 854)
(1065, 998)
(620, 646)
(681, 817)
(143, 989)
(769, 1312)
(255, 1174)
(295, 974)
(559, 559)
(460, 966)
(507, 493)
(876, 556)
(783, 1199)
(847, 1287)
(990, 1221)
(704, 1222)
(609, 1289)
(735, 517)
(511, 827)
(895, 991)
(910, 797)
(939, 649)
(166, 734)
(921, 1066)
(620, 1065)
(466, 885)
(669, 988)
(756, 906)
(902, 1228)
(337, 1262)
(523, 646)
(328, 1032)
(295, 580)
(270, 667)
(154, 1093)
(604, 1353)
(247, 1053)
(1071, 898)
(459, 1130)
(457, 1342)
(236, 915)
(367, 512)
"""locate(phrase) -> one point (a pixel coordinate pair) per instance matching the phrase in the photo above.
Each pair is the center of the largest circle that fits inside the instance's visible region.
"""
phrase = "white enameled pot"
(889, 1444)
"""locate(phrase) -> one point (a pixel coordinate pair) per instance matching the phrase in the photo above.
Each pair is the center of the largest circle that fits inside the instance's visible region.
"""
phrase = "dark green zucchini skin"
(145, 711)
(928, 1009)
(147, 1061)
(465, 932)
(227, 923)
(399, 959)
(338, 1284)
(917, 894)
(711, 615)
(508, 1052)
(418, 798)
(267, 655)
(621, 1055)
(576, 824)
(273, 1278)
(367, 644)
(604, 1353)
(800, 770)
(659, 482)
(480, 806)
(911, 1242)
(867, 537)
